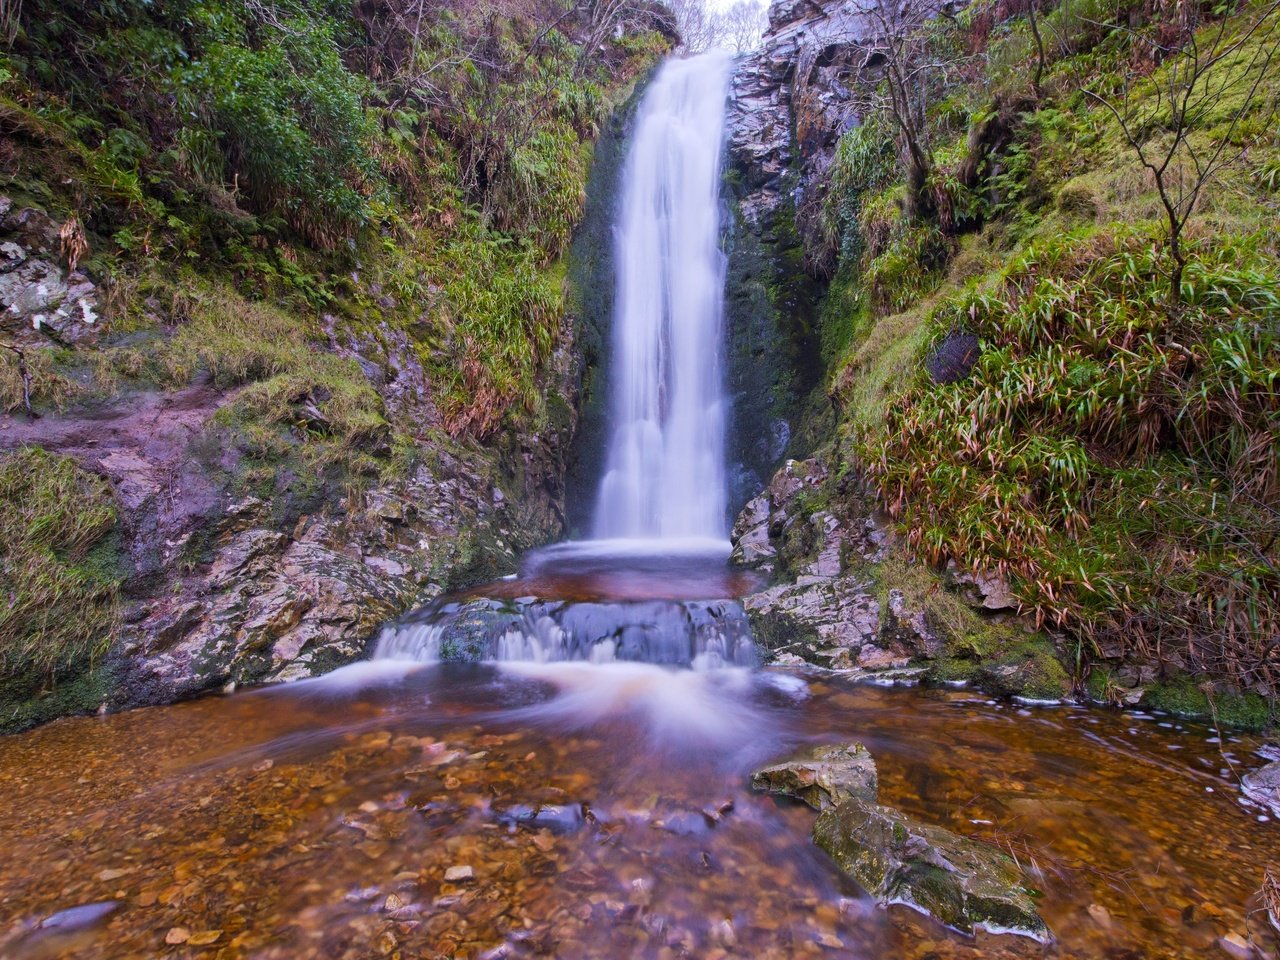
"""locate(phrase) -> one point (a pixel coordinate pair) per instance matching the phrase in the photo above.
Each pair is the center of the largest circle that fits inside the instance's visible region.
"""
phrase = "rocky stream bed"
(464, 810)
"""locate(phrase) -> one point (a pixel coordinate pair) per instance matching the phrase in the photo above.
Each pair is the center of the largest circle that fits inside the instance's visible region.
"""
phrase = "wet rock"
(245, 553)
(962, 883)
(685, 823)
(1263, 786)
(676, 633)
(753, 545)
(822, 778)
(954, 358)
(60, 934)
(558, 818)
(823, 621)
(36, 295)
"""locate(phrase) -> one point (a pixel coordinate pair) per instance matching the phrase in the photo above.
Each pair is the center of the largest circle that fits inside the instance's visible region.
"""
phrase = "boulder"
(822, 778)
(1263, 786)
(963, 883)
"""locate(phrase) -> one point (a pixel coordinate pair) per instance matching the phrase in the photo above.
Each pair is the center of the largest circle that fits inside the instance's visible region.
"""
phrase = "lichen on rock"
(897, 859)
(822, 778)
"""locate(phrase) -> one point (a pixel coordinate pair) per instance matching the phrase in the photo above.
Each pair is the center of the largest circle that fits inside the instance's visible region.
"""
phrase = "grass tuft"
(59, 572)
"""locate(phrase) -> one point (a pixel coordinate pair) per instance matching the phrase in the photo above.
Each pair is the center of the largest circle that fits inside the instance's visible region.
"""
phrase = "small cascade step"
(680, 633)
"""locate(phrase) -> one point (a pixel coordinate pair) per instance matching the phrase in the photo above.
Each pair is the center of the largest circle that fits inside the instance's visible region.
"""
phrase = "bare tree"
(737, 28)
(1038, 77)
(742, 25)
(10, 21)
(1228, 66)
(695, 24)
(902, 76)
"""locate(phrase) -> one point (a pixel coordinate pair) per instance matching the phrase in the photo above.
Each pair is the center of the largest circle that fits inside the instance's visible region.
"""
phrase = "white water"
(662, 503)
(664, 473)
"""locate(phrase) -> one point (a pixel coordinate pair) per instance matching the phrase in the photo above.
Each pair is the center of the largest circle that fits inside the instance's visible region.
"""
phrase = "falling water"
(664, 475)
(654, 585)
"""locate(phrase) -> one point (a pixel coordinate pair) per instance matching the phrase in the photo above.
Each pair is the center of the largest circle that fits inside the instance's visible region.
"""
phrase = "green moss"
(29, 700)
(1185, 696)
(61, 568)
(1004, 664)
(953, 670)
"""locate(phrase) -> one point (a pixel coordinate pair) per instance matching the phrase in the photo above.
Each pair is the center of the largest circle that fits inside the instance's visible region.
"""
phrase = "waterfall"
(634, 592)
(664, 473)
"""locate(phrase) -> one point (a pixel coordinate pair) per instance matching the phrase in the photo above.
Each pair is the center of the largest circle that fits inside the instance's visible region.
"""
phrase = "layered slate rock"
(793, 83)
(826, 610)
(963, 883)
(1263, 786)
(825, 777)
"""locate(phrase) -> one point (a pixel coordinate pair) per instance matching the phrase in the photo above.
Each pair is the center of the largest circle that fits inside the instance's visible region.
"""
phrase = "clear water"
(323, 820)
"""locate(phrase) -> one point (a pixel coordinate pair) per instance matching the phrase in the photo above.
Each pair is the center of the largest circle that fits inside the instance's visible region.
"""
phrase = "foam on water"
(702, 707)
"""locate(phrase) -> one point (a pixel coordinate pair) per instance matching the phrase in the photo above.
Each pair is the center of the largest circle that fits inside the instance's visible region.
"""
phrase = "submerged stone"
(824, 777)
(558, 818)
(961, 882)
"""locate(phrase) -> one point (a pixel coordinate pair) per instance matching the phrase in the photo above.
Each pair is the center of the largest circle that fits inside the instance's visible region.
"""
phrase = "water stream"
(556, 765)
(574, 810)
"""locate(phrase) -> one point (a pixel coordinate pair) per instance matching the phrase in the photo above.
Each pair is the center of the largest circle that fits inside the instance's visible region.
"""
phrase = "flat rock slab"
(824, 777)
(558, 818)
(963, 883)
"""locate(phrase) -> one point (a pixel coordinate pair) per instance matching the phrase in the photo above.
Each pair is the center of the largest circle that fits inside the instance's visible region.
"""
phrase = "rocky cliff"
(229, 573)
(928, 294)
(787, 109)
(285, 345)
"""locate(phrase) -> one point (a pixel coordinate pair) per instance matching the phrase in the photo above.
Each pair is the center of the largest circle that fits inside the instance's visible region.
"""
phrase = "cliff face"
(787, 110)
(957, 271)
(229, 568)
(790, 103)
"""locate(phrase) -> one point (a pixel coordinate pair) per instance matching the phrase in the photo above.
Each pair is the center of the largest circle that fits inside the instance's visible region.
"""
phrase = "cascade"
(653, 585)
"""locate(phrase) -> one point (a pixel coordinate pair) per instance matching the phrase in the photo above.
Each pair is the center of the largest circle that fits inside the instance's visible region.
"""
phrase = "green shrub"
(909, 267)
(1117, 457)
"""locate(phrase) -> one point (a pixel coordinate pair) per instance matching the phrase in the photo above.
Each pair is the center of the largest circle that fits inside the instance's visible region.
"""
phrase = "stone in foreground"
(963, 883)
(824, 777)
(1263, 786)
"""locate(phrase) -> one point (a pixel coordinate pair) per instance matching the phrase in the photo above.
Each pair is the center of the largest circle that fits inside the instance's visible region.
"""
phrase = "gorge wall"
(898, 298)
(278, 366)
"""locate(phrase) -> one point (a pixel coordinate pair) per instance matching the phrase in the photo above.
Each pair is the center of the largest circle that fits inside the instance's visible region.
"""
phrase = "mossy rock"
(471, 635)
(1184, 696)
(30, 700)
(1004, 664)
(1029, 669)
(960, 882)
